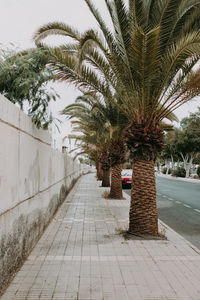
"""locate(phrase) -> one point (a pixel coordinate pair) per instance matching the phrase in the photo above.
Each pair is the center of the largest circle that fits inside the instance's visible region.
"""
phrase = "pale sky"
(21, 18)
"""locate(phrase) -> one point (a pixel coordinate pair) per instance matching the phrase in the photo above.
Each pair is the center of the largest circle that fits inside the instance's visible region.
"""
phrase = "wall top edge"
(14, 117)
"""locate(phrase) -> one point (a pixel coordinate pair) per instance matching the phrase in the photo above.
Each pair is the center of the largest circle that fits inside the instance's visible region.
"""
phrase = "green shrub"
(198, 171)
(164, 171)
(179, 172)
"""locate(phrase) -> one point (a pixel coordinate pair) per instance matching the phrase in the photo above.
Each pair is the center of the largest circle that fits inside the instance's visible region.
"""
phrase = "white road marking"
(164, 196)
(197, 210)
(171, 199)
(178, 202)
(186, 205)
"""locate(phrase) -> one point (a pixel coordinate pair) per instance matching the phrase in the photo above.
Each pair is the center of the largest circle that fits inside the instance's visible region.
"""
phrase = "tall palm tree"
(148, 59)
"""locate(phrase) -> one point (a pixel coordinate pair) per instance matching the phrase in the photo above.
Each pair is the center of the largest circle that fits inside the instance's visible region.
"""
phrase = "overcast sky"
(21, 18)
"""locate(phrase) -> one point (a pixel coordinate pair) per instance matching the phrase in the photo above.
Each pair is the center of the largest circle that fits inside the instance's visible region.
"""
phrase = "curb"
(180, 236)
(178, 178)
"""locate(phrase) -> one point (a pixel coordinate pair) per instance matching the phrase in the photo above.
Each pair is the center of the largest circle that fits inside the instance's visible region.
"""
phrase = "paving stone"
(83, 256)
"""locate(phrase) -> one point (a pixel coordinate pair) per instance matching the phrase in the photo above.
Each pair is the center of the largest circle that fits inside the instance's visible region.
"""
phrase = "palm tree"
(95, 132)
(116, 151)
(106, 114)
(147, 58)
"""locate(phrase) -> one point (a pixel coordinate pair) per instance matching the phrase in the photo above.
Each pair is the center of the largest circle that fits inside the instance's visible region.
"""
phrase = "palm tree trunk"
(116, 183)
(99, 171)
(106, 178)
(97, 167)
(143, 211)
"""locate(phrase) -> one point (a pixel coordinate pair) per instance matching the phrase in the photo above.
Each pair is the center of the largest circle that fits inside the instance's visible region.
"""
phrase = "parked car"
(126, 178)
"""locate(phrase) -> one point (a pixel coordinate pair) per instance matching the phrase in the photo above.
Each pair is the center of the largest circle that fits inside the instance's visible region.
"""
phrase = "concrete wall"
(34, 180)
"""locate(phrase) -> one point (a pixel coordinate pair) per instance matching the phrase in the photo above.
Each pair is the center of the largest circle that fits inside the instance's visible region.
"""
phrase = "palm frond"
(56, 28)
(106, 32)
(138, 14)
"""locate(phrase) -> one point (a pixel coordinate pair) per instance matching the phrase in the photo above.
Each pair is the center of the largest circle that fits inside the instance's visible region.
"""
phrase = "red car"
(126, 178)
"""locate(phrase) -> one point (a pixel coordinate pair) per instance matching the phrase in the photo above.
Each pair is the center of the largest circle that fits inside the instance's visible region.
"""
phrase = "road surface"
(179, 207)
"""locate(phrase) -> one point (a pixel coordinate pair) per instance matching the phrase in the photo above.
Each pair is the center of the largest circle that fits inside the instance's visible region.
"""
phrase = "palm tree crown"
(146, 56)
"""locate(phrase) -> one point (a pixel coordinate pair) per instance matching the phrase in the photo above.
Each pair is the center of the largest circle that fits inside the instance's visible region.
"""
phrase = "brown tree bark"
(143, 215)
(116, 183)
(106, 178)
(99, 171)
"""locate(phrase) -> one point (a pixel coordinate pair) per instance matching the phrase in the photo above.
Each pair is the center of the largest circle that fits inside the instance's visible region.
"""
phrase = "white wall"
(34, 180)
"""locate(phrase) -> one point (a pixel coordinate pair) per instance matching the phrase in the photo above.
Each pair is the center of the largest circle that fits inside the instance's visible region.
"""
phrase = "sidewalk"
(178, 178)
(83, 256)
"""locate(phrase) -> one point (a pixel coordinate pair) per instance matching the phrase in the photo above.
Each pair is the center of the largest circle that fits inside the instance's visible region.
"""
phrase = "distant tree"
(169, 153)
(196, 160)
(23, 80)
(192, 123)
(187, 140)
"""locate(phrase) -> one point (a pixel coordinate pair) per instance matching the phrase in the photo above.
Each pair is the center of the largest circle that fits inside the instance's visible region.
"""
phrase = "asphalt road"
(179, 207)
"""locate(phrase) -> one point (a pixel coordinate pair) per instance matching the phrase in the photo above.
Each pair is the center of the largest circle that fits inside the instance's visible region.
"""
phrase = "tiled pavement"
(83, 255)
